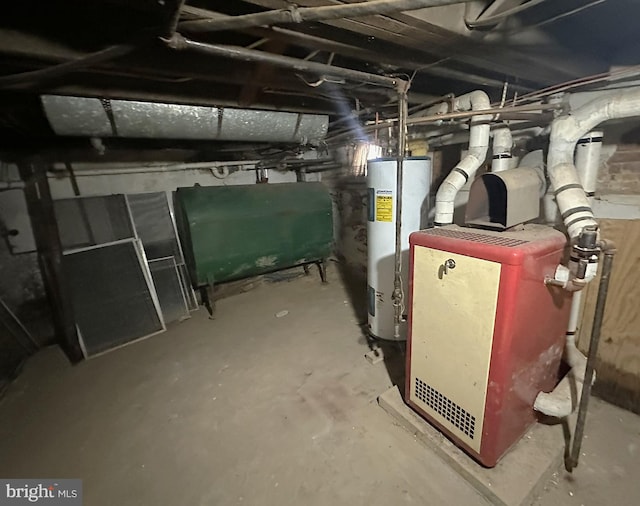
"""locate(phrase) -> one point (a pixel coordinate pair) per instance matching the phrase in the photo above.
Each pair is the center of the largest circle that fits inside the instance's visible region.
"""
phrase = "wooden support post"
(45, 231)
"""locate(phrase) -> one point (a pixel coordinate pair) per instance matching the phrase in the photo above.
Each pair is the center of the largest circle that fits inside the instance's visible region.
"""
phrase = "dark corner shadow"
(564, 422)
(566, 432)
(355, 283)
(395, 361)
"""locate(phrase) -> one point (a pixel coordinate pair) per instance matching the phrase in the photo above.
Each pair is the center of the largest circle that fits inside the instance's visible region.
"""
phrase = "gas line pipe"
(609, 250)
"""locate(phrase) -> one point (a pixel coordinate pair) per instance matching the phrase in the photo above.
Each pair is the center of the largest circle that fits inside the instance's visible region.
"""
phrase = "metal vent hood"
(94, 117)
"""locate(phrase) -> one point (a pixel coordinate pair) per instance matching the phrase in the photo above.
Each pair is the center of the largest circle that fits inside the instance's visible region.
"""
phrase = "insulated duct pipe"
(565, 132)
(93, 117)
(467, 167)
(435, 110)
(294, 14)
(588, 160)
(502, 144)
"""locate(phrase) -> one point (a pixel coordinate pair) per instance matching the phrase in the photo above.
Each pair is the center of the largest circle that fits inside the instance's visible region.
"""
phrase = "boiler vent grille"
(470, 236)
(446, 408)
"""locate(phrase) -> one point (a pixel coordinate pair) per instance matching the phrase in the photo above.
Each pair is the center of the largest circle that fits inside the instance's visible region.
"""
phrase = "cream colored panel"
(452, 334)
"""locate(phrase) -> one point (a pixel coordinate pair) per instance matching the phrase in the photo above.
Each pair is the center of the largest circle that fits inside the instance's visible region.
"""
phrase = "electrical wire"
(322, 79)
(492, 20)
(560, 16)
(450, 115)
(583, 81)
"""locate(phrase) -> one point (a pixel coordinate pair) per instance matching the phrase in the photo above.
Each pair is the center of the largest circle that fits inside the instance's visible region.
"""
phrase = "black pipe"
(609, 252)
(295, 14)
(240, 53)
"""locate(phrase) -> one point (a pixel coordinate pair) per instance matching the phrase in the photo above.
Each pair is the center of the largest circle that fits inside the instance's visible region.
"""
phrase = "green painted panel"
(232, 232)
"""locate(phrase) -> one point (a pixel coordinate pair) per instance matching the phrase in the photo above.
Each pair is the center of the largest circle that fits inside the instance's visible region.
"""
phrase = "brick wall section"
(621, 172)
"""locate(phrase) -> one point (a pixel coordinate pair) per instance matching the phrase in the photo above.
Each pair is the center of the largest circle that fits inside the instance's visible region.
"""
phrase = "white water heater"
(381, 233)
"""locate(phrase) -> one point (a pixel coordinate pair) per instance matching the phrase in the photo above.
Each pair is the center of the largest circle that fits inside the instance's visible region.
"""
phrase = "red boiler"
(486, 334)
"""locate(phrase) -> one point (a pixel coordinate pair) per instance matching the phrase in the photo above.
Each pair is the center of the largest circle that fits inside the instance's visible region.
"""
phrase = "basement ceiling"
(440, 48)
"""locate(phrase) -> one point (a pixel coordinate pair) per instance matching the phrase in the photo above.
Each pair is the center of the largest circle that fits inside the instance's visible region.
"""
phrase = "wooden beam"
(390, 57)
(252, 89)
(156, 72)
(408, 31)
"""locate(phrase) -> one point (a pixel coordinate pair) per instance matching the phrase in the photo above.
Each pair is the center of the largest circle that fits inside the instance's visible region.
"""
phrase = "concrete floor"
(258, 410)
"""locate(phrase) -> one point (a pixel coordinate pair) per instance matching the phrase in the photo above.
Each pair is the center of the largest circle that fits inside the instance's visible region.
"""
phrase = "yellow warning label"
(384, 208)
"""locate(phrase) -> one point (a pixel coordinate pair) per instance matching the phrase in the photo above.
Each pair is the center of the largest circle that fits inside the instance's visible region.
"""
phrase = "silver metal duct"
(93, 117)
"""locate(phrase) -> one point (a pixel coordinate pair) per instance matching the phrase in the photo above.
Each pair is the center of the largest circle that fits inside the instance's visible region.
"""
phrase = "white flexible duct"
(93, 117)
(565, 133)
(467, 167)
(502, 144)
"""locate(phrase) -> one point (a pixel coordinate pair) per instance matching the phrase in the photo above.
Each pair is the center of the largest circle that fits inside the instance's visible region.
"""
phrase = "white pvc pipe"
(560, 403)
(502, 144)
(467, 167)
(575, 313)
(565, 132)
(588, 160)
(576, 213)
(563, 400)
(572, 355)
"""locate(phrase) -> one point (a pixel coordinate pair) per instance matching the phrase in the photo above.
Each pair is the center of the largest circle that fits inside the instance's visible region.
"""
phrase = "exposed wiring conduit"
(467, 167)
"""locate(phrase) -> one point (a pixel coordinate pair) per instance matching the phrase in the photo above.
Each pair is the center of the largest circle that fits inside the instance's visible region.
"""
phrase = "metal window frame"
(178, 276)
(146, 272)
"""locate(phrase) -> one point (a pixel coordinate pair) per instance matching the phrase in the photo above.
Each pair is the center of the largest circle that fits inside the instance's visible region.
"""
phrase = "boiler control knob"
(449, 264)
